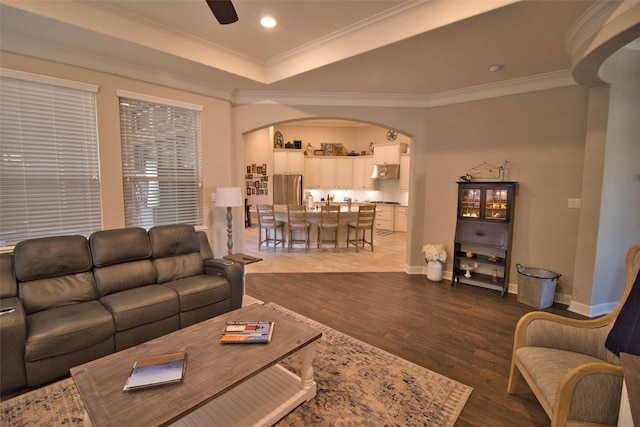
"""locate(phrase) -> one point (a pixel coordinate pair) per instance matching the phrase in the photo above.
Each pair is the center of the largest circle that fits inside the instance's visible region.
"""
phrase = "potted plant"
(435, 255)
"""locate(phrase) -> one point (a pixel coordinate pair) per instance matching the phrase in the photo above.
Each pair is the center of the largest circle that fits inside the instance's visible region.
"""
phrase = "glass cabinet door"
(470, 202)
(495, 204)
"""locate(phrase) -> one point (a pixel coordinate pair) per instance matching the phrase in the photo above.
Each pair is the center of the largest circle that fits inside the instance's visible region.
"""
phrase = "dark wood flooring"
(462, 332)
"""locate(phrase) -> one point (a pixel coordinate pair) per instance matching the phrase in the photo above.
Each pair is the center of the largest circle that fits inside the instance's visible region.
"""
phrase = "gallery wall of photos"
(256, 180)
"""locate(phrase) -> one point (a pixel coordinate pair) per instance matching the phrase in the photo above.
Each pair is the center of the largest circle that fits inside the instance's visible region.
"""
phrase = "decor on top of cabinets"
(435, 255)
(392, 135)
(278, 140)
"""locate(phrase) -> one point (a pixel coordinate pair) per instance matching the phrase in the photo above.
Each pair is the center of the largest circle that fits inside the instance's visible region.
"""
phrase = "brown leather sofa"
(67, 300)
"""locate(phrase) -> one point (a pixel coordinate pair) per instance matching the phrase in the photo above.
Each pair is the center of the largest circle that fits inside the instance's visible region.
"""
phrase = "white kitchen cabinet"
(388, 153)
(312, 172)
(344, 173)
(400, 218)
(384, 217)
(405, 161)
(288, 162)
(328, 173)
(328, 169)
(362, 170)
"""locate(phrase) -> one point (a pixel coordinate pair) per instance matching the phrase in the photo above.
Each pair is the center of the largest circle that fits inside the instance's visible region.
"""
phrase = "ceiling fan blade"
(223, 10)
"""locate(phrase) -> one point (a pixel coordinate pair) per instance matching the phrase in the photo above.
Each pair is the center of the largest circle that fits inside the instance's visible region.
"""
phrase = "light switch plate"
(574, 203)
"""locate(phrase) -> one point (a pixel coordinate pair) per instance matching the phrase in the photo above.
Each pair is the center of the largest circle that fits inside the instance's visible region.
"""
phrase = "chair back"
(297, 216)
(266, 216)
(329, 216)
(366, 216)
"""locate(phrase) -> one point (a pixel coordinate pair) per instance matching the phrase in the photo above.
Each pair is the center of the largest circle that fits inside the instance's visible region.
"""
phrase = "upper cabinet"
(388, 153)
(405, 161)
(344, 173)
(362, 168)
(312, 172)
(288, 162)
(328, 172)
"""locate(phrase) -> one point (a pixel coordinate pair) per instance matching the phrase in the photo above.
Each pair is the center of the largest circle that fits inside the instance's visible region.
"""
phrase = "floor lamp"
(229, 197)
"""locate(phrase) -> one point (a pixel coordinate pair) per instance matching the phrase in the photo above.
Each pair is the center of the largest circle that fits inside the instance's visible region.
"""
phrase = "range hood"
(386, 171)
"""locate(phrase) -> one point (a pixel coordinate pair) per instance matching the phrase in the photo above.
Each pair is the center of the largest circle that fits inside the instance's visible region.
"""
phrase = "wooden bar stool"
(267, 222)
(297, 223)
(329, 220)
(366, 218)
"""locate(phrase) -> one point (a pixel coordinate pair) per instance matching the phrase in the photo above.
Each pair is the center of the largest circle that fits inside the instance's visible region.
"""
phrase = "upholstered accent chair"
(268, 223)
(297, 224)
(364, 223)
(565, 362)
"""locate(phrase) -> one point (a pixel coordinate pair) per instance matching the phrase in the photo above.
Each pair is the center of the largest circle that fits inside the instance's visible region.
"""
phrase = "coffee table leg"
(87, 419)
(307, 384)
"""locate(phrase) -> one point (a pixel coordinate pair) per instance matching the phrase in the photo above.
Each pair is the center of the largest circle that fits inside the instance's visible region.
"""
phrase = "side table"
(244, 260)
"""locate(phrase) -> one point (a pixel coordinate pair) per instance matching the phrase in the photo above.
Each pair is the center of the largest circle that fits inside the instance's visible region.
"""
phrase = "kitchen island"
(313, 216)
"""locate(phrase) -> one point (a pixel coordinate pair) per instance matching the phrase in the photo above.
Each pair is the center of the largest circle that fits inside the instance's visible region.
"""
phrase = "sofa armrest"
(233, 272)
(13, 338)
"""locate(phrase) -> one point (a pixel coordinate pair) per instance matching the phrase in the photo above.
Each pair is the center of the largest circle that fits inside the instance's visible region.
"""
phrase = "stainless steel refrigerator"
(287, 189)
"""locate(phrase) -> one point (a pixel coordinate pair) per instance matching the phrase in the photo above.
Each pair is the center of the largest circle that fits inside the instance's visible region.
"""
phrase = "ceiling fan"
(223, 10)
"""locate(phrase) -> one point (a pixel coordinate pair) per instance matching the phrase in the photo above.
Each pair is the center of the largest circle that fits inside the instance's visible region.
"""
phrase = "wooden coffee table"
(227, 385)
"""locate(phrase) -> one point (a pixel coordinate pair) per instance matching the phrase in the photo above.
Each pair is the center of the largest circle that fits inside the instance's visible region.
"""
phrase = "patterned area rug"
(357, 384)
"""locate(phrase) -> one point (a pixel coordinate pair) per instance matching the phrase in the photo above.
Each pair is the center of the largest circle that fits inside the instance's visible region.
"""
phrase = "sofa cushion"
(547, 366)
(67, 329)
(172, 240)
(141, 305)
(201, 290)
(120, 277)
(121, 245)
(45, 294)
(51, 257)
(178, 267)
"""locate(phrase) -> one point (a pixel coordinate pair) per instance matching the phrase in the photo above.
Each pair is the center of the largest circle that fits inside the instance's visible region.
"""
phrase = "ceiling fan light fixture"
(268, 22)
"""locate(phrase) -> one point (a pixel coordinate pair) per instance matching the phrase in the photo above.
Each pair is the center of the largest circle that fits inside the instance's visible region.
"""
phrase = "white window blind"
(161, 162)
(49, 169)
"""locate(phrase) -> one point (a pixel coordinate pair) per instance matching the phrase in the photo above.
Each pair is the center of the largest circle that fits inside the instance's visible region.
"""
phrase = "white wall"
(619, 225)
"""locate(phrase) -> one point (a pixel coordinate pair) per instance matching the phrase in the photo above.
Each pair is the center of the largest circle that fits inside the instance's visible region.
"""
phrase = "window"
(49, 170)
(162, 172)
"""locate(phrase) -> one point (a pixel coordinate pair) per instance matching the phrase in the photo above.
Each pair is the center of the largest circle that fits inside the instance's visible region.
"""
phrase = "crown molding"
(604, 28)
(492, 90)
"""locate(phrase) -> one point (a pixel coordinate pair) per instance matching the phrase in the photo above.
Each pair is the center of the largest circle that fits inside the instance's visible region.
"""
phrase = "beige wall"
(216, 149)
(542, 135)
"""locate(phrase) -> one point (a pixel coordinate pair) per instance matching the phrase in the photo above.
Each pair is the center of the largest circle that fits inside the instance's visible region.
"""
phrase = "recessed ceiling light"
(496, 67)
(268, 22)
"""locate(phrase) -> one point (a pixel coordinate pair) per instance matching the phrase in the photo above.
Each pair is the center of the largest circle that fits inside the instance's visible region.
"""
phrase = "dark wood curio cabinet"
(484, 228)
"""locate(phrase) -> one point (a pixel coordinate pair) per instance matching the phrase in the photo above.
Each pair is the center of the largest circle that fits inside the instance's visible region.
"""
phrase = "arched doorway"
(352, 142)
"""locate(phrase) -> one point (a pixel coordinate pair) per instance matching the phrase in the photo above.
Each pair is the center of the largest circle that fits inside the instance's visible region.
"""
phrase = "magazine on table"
(151, 371)
(249, 332)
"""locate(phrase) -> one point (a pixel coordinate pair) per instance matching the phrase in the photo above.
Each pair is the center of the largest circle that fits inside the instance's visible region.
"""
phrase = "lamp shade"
(228, 197)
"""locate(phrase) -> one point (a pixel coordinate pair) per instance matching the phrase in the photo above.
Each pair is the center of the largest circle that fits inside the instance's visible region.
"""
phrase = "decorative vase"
(434, 271)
